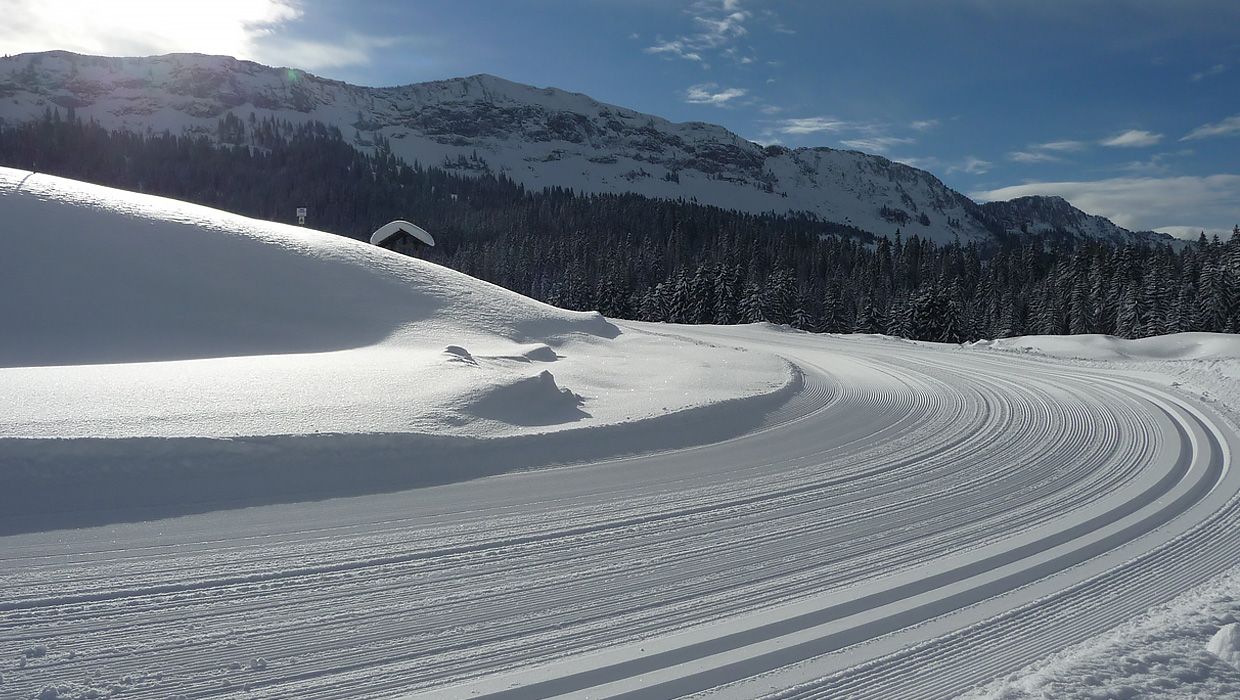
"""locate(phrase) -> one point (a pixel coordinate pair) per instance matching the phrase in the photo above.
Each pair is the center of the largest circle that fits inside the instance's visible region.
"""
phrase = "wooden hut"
(402, 237)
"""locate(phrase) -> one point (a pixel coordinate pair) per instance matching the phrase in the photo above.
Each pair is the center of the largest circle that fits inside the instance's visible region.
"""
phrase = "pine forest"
(657, 260)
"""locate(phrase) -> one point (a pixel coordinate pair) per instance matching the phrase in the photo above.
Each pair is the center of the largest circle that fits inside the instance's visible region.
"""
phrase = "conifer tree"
(870, 319)
(780, 299)
(751, 307)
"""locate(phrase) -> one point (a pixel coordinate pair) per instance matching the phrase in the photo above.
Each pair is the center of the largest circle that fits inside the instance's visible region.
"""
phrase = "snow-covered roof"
(395, 228)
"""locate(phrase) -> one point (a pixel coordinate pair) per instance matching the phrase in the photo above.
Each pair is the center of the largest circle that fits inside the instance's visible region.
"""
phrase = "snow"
(223, 326)
(256, 461)
(393, 228)
(1177, 346)
(1184, 648)
(1225, 644)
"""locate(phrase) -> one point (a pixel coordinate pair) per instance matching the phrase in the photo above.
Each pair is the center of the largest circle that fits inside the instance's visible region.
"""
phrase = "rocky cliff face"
(538, 137)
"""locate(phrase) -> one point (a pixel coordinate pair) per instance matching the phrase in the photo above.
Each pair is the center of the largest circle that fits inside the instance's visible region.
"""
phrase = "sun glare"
(142, 27)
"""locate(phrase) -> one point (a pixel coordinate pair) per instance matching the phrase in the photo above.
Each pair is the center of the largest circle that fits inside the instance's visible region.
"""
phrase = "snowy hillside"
(537, 137)
(251, 461)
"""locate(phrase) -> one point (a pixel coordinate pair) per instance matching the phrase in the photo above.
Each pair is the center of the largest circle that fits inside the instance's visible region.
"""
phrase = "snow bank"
(1169, 652)
(1178, 346)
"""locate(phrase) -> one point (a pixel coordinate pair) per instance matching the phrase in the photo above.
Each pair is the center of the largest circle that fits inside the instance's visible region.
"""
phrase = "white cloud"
(1133, 138)
(924, 125)
(971, 165)
(930, 163)
(811, 125)
(717, 32)
(869, 137)
(720, 23)
(1156, 165)
(1228, 127)
(1037, 152)
(1033, 157)
(676, 49)
(876, 144)
(144, 27)
(1198, 77)
(1172, 204)
(1062, 146)
(710, 94)
(777, 25)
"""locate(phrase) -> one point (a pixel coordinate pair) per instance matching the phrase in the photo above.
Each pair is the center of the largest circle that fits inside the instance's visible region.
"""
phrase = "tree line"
(659, 260)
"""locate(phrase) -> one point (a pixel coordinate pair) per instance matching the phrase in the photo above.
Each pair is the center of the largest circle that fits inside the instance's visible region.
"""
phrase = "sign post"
(301, 216)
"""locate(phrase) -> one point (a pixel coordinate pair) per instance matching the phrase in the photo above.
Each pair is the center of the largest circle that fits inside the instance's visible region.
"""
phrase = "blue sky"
(1128, 108)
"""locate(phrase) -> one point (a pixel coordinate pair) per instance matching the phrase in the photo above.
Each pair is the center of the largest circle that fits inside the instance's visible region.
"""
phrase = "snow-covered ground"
(245, 460)
(1166, 652)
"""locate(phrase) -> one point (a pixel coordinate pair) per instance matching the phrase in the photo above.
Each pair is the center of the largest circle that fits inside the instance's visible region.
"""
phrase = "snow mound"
(529, 401)
(1225, 644)
(105, 276)
(1177, 346)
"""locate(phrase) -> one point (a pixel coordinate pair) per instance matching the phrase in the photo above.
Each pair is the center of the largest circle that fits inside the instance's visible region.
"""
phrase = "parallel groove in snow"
(1049, 625)
(880, 467)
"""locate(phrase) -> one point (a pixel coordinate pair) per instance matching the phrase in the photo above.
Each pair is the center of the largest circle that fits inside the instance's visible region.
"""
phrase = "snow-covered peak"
(484, 87)
(1052, 214)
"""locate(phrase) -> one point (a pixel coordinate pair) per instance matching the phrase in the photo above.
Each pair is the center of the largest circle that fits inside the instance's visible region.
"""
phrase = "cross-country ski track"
(913, 521)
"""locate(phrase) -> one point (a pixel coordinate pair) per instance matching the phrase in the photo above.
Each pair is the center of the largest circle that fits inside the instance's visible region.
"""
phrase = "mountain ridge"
(538, 137)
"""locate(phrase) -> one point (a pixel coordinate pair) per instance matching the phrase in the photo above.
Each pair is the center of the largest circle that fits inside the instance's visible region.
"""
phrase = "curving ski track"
(915, 521)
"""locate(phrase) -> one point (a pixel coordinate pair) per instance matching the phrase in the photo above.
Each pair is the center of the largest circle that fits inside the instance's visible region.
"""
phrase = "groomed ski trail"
(915, 521)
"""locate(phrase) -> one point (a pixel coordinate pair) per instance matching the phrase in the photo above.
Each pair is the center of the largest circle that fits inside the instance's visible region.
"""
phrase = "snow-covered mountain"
(1050, 214)
(538, 137)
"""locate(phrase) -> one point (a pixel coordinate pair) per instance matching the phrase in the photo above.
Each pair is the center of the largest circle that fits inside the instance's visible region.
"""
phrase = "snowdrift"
(1177, 346)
